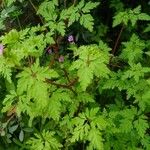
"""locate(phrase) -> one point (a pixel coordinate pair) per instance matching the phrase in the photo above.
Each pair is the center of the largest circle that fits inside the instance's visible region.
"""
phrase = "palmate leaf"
(121, 17)
(92, 61)
(130, 15)
(45, 141)
(39, 93)
(133, 49)
(20, 44)
(32, 83)
(29, 76)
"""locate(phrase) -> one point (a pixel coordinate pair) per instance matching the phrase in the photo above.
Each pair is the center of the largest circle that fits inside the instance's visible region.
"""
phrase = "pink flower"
(61, 59)
(1, 49)
(70, 39)
(49, 51)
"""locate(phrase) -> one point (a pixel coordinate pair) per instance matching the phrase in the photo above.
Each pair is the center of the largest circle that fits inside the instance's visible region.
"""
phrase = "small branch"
(116, 44)
(57, 84)
(66, 74)
(36, 10)
(19, 23)
(117, 40)
(51, 62)
(30, 61)
(68, 86)
(65, 3)
(115, 65)
(74, 2)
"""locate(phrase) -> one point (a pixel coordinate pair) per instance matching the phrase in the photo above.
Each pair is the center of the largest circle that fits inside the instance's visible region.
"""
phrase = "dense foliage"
(74, 75)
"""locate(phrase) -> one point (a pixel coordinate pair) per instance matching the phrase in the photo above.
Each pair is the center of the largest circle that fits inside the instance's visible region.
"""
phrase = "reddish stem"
(67, 86)
(117, 40)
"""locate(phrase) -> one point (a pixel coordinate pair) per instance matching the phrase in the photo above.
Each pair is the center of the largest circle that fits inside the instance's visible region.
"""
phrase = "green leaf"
(55, 2)
(95, 139)
(85, 77)
(133, 49)
(141, 126)
(13, 128)
(55, 106)
(32, 84)
(61, 28)
(46, 141)
(92, 61)
(80, 133)
(81, 4)
(136, 71)
(87, 21)
(121, 17)
(47, 10)
(130, 15)
(5, 68)
(21, 135)
(89, 6)
(10, 2)
(74, 16)
(9, 100)
(144, 17)
(147, 29)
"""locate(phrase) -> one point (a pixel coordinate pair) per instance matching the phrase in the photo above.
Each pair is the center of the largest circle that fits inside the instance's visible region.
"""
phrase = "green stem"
(65, 3)
(19, 23)
(74, 2)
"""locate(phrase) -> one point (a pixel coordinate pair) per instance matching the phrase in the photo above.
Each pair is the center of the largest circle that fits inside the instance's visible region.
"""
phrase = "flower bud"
(1, 49)
(71, 39)
(61, 59)
(49, 51)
